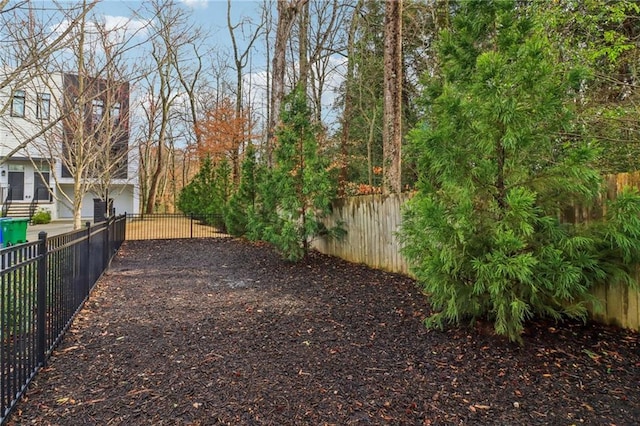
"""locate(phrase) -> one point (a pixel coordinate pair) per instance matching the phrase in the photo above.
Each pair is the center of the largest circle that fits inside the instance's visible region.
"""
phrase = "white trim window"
(43, 107)
(18, 103)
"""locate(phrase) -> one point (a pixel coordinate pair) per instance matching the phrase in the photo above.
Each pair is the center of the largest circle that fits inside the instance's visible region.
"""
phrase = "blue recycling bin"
(1, 233)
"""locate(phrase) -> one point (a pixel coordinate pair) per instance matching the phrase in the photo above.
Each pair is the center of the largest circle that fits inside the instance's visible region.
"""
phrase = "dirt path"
(219, 331)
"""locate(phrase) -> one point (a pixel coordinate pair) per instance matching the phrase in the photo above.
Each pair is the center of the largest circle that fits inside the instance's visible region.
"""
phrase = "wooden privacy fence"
(372, 221)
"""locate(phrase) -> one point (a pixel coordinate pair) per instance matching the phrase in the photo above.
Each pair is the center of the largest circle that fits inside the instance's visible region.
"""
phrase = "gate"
(169, 226)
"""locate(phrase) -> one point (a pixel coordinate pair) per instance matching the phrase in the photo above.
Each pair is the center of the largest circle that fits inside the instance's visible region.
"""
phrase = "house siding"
(16, 130)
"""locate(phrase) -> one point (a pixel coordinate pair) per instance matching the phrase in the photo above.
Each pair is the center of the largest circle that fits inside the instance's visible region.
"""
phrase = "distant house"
(38, 113)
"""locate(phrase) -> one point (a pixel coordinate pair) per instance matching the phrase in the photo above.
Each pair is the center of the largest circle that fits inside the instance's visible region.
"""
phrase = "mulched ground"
(222, 331)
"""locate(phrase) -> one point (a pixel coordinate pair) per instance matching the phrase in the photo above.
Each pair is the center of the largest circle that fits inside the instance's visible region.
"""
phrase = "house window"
(44, 106)
(115, 114)
(17, 103)
(43, 167)
(97, 110)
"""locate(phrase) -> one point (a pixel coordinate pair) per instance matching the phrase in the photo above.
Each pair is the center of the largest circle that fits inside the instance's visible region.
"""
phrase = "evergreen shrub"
(500, 158)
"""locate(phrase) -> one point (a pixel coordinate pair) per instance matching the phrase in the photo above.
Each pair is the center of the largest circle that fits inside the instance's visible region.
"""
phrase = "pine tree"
(207, 194)
(299, 189)
(196, 195)
(243, 201)
(495, 172)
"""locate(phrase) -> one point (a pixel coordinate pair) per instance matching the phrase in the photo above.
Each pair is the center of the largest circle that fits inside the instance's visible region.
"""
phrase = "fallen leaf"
(587, 406)
(482, 407)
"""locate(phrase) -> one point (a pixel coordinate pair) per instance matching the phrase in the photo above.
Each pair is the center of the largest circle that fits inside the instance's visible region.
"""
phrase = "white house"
(34, 137)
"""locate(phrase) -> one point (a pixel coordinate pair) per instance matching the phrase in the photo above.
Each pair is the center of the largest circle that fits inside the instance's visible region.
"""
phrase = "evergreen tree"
(207, 194)
(196, 195)
(299, 189)
(264, 212)
(482, 234)
(243, 201)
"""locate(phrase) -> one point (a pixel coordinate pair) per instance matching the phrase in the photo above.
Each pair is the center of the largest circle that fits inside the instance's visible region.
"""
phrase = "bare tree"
(93, 143)
(150, 107)
(288, 10)
(57, 140)
(72, 146)
(171, 52)
(240, 60)
(267, 18)
(392, 127)
(111, 133)
(84, 136)
(323, 31)
(199, 96)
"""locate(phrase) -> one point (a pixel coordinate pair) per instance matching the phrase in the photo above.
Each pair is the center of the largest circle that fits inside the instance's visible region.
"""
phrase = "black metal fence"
(43, 284)
(162, 226)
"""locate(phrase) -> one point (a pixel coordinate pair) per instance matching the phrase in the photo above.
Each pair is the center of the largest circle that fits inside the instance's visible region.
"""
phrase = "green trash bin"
(14, 231)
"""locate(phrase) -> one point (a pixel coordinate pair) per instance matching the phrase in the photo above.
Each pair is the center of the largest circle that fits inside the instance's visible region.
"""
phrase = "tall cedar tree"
(482, 233)
(299, 189)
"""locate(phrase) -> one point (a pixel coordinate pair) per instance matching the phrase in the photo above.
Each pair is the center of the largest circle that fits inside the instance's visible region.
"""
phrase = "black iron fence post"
(105, 245)
(88, 265)
(42, 298)
(191, 223)
(108, 238)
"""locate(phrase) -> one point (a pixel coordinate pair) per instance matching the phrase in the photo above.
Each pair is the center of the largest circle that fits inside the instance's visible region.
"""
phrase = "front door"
(16, 183)
(41, 188)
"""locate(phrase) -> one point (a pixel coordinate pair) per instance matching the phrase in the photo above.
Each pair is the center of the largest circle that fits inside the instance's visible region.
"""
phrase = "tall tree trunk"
(303, 50)
(287, 12)
(155, 180)
(392, 127)
(370, 139)
(348, 102)
(240, 61)
(80, 131)
(154, 185)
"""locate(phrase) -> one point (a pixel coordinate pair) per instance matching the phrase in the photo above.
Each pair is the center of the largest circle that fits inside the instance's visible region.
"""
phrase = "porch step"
(19, 210)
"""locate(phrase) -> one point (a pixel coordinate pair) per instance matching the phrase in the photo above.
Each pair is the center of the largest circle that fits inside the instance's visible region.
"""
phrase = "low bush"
(42, 216)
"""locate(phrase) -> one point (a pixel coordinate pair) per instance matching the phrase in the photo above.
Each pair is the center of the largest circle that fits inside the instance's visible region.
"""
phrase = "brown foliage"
(223, 132)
